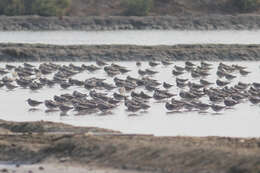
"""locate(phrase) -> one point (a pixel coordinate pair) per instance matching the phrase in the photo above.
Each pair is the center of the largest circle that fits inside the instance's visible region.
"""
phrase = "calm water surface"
(155, 37)
(242, 121)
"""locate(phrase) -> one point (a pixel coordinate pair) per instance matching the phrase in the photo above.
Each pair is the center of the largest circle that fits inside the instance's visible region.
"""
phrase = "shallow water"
(242, 121)
(153, 37)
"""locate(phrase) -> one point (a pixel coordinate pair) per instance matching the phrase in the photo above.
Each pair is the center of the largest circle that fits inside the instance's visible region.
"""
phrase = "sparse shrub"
(44, 7)
(137, 7)
(245, 5)
(14, 7)
(38, 7)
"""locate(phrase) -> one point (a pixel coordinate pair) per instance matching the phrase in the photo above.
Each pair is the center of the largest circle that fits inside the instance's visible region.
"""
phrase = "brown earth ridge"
(209, 52)
(35, 142)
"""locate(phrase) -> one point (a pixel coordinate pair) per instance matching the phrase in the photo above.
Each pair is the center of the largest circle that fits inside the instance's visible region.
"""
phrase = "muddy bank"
(140, 153)
(202, 22)
(38, 52)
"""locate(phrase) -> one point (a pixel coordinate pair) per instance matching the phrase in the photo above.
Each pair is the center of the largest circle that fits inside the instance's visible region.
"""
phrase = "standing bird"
(33, 103)
(173, 107)
(230, 102)
(153, 64)
(254, 100)
(221, 83)
(10, 86)
(65, 108)
(167, 85)
(51, 104)
(138, 63)
(217, 108)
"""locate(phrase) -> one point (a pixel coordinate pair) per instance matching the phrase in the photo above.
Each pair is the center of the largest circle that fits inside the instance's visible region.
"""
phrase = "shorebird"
(256, 84)
(159, 96)
(65, 85)
(167, 85)
(144, 96)
(118, 96)
(179, 68)
(244, 72)
(254, 100)
(104, 107)
(100, 62)
(166, 62)
(142, 72)
(195, 74)
(153, 64)
(10, 67)
(33, 103)
(150, 72)
(201, 106)
(221, 83)
(205, 82)
(187, 95)
(133, 108)
(60, 99)
(138, 63)
(188, 63)
(28, 65)
(75, 82)
(230, 102)
(229, 76)
(177, 73)
(79, 94)
(65, 108)
(35, 85)
(1, 84)
(150, 87)
(10, 86)
(220, 73)
(204, 64)
(180, 84)
(173, 107)
(181, 80)
(50, 104)
(215, 98)
(217, 108)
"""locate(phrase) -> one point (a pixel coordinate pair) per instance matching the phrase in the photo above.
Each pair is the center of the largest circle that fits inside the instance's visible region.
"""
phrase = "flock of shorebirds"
(221, 97)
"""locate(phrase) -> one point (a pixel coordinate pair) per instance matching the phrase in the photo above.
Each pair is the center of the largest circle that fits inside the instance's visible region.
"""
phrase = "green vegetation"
(31, 7)
(245, 5)
(137, 7)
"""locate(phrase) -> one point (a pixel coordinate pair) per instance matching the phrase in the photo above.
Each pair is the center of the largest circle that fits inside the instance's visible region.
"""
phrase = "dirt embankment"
(203, 22)
(20, 144)
(38, 52)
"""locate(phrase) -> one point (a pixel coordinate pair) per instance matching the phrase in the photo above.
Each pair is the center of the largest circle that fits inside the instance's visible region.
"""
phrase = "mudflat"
(208, 52)
(101, 23)
(39, 142)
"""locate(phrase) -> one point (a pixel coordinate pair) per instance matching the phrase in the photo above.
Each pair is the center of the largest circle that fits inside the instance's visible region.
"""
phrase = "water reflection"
(155, 37)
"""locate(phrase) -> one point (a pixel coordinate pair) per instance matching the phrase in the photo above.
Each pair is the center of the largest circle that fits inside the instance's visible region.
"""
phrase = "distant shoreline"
(209, 52)
(97, 23)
